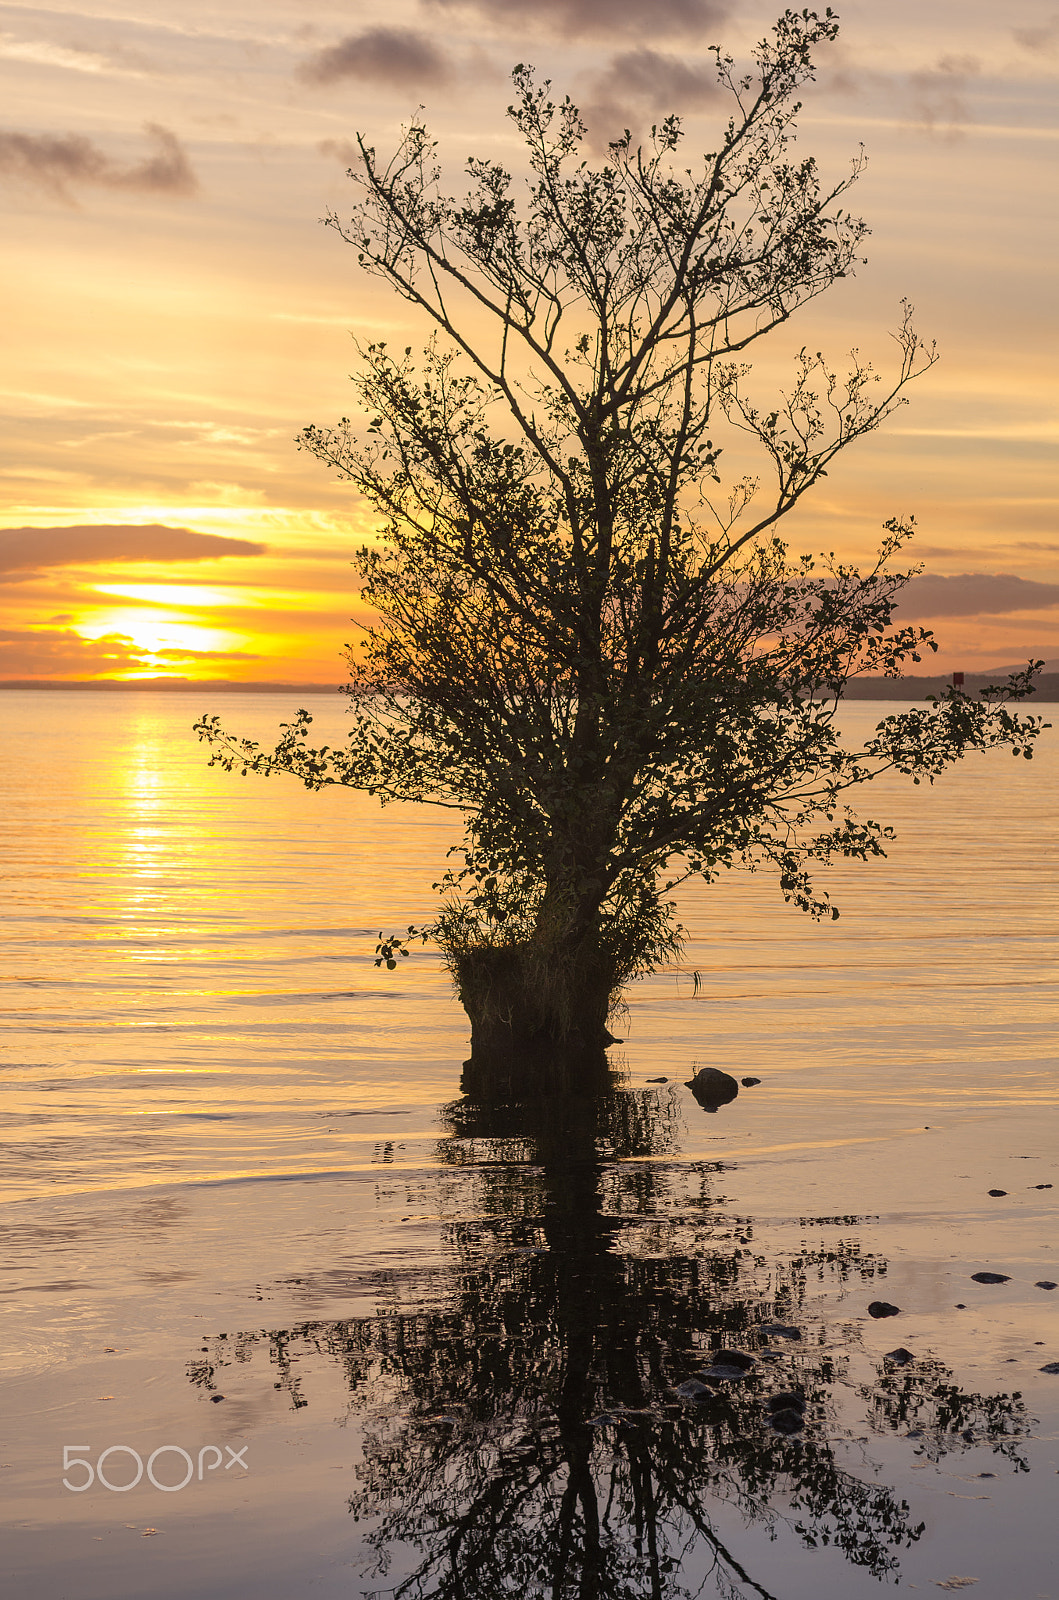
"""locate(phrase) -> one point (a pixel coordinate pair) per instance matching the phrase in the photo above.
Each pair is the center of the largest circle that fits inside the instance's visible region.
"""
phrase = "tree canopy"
(590, 640)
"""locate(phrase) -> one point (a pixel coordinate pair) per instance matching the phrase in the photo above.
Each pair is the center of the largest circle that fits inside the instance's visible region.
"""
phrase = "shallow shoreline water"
(229, 1170)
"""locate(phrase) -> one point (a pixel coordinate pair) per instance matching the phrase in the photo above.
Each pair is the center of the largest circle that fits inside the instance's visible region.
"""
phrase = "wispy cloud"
(74, 57)
(33, 549)
(1040, 40)
(939, 93)
(400, 57)
(53, 162)
(644, 83)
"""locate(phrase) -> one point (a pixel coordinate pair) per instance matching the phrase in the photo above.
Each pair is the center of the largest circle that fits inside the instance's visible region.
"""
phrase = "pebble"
(996, 1193)
(883, 1308)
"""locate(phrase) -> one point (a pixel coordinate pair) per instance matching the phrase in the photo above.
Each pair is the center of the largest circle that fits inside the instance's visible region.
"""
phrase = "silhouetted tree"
(619, 678)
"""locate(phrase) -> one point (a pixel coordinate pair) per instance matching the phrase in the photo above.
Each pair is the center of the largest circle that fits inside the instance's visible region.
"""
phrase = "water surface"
(237, 1162)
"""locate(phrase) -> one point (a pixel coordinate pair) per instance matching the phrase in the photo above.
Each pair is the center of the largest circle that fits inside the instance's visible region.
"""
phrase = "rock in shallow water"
(712, 1088)
(990, 1277)
(900, 1357)
(883, 1308)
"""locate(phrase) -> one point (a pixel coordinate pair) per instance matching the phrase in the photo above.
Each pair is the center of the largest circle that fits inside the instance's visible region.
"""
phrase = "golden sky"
(175, 314)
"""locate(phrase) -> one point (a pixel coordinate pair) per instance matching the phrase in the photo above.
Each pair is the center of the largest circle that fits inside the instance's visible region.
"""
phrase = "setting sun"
(160, 634)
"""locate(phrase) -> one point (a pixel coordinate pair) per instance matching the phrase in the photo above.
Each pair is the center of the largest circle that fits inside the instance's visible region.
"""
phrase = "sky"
(176, 313)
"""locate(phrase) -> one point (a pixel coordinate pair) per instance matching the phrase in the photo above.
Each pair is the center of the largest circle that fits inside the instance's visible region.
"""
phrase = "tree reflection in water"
(524, 1435)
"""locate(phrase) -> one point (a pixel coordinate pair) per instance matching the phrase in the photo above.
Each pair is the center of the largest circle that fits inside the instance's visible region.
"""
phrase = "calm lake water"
(450, 1337)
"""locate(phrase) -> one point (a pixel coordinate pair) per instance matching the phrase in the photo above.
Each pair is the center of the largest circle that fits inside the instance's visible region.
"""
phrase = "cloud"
(950, 551)
(975, 594)
(204, 655)
(53, 161)
(1044, 41)
(400, 57)
(601, 18)
(343, 150)
(75, 57)
(938, 102)
(60, 652)
(49, 653)
(645, 82)
(30, 549)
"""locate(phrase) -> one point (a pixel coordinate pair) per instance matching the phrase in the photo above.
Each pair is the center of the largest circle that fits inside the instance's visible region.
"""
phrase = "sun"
(159, 633)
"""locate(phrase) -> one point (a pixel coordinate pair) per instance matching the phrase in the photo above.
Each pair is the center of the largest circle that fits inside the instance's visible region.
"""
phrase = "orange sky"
(176, 315)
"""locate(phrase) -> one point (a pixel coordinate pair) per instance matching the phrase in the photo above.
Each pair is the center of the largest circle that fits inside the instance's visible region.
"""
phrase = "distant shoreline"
(910, 688)
(171, 685)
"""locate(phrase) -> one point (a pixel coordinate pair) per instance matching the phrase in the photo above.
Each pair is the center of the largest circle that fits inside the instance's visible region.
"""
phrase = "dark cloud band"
(600, 18)
(30, 549)
(976, 594)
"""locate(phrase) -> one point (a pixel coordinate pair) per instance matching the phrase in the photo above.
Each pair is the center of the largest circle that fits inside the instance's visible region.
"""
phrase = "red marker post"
(957, 680)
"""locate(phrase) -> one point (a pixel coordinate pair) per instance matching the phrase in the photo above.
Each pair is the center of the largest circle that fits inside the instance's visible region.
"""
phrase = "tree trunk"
(537, 1011)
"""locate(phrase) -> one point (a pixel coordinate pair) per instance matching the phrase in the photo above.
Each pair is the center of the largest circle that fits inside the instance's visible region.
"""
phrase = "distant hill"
(974, 682)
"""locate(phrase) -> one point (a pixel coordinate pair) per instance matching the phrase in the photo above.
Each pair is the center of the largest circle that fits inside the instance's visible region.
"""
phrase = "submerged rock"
(900, 1357)
(692, 1389)
(787, 1401)
(788, 1422)
(883, 1308)
(777, 1330)
(712, 1088)
(729, 1364)
(1053, 1366)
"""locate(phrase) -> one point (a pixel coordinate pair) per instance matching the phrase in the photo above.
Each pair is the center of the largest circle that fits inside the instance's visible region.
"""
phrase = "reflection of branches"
(923, 1400)
(524, 1430)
